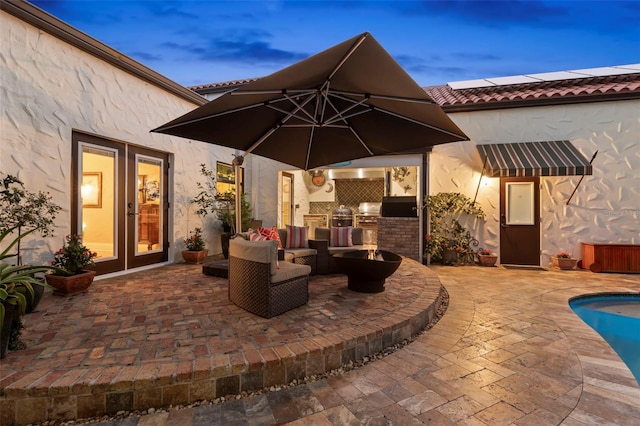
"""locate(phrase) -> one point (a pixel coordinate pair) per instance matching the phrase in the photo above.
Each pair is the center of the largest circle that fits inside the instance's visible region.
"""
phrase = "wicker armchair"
(258, 285)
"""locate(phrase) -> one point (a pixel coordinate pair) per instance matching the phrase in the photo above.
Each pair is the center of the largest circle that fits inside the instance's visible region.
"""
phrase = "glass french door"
(121, 202)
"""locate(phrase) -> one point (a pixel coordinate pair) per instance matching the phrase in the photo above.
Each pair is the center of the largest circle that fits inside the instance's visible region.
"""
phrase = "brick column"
(400, 235)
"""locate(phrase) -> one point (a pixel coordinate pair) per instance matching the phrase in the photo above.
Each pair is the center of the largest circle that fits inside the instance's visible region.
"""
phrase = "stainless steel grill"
(367, 219)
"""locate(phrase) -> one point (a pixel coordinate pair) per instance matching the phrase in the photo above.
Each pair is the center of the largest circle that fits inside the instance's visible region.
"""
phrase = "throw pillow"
(342, 236)
(297, 236)
(254, 236)
(271, 234)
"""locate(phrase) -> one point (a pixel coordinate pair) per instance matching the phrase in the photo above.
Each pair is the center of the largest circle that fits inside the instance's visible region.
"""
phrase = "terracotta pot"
(487, 259)
(567, 263)
(193, 256)
(74, 284)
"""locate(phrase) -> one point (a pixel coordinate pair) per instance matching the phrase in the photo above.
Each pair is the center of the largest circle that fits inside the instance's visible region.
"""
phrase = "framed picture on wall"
(91, 189)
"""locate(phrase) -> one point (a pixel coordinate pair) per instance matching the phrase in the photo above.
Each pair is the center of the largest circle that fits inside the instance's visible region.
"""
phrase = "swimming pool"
(616, 317)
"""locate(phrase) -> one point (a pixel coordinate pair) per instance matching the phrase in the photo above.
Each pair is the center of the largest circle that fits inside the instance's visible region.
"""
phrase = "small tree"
(25, 211)
(227, 214)
(223, 205)
(207, 199)
(445, 210)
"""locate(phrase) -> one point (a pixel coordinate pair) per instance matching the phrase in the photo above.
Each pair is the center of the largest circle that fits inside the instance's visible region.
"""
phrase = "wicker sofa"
(259, 285)
(324, 250)
(300, 256)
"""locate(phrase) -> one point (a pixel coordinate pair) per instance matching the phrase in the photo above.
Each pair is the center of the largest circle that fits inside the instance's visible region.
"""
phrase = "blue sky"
(199, 42)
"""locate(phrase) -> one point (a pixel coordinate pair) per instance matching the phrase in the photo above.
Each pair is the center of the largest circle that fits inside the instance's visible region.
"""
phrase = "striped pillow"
(342, 236)
(297, 236)
(255, 236)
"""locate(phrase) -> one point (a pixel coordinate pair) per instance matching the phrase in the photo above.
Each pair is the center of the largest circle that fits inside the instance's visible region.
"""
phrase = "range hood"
(356, 174)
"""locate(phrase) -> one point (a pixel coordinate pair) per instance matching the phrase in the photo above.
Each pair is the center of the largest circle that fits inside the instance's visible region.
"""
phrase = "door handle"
(503, 221)
(132, 214)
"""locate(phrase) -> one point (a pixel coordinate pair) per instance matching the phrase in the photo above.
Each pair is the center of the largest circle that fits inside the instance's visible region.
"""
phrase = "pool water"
(616, 317)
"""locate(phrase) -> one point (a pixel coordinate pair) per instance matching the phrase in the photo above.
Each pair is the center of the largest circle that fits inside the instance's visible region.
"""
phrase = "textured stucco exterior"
(50, 88)
(606, 205)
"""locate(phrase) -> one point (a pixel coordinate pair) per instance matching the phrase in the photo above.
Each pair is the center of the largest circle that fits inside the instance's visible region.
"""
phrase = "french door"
(520, 221)
(120, 202)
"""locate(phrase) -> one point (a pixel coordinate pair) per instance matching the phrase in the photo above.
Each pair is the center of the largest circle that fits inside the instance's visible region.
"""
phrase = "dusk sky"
(199, 42)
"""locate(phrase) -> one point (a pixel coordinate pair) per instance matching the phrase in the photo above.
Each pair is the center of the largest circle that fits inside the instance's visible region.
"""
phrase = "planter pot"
(192, 256)
(38, 292)
(566, 263)
(224, 241)
(449, 257)
(487, 260)
(9, 314)
(74, 284)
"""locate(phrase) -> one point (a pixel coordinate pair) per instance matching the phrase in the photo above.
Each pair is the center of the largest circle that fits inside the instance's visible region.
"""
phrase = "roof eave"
(57, 28)
(537, 102)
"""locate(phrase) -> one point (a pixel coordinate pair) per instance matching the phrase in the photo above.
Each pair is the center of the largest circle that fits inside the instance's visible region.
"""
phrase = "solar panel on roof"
(549, 76)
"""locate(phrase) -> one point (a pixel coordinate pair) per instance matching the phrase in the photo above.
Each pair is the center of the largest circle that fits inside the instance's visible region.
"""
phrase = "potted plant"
(19, 290)
(487, 258)
(227, 214)
(71, 276)
(449, 241)
(195, 252)
(563, 260)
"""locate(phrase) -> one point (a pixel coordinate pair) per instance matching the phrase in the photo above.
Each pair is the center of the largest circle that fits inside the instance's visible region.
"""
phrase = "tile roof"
(589, 89)
(496, 96)
(216, 87)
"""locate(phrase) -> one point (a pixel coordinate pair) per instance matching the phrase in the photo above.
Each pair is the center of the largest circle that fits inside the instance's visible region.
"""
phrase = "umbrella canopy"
(350, 101)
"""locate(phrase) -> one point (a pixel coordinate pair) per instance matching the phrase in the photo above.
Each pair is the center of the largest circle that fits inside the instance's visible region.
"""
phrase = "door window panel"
(98, 194)
(150, 185)
(520, 203)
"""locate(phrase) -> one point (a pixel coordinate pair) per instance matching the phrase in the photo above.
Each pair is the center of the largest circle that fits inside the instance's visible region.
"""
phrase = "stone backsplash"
(351, 193)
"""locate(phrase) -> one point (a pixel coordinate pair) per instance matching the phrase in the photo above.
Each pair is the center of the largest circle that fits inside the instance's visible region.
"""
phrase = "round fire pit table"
(367, 270)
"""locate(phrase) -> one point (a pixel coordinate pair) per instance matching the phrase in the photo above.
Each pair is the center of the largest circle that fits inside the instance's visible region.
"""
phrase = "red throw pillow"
(342, 236)
(297, 236)
(271, 234)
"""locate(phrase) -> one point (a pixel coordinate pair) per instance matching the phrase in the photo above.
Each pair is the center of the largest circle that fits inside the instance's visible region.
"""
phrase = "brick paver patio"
(509, 351)
(170, 336)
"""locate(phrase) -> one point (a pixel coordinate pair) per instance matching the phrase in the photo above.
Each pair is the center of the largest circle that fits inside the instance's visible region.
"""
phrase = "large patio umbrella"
(350, 101)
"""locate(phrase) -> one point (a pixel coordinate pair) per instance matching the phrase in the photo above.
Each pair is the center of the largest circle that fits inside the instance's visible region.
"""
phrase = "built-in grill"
(342, 216)
(368, 213)
(367, 219)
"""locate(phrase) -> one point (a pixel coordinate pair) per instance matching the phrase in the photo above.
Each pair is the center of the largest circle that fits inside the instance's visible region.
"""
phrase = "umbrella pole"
(237, 162)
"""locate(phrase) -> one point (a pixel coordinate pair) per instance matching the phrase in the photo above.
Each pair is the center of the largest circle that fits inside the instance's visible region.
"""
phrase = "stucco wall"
(606, 206)
(49, 88)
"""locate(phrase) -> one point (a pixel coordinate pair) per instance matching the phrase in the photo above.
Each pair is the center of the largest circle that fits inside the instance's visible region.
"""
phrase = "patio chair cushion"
(256, 251)
(297, 237)
(289, 271)
(341, 236)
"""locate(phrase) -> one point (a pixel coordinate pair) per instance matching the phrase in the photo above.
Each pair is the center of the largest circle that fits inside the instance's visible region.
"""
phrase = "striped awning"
(552, 158)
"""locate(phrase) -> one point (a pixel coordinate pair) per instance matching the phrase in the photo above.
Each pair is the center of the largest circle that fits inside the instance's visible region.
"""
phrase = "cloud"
(247, 48)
